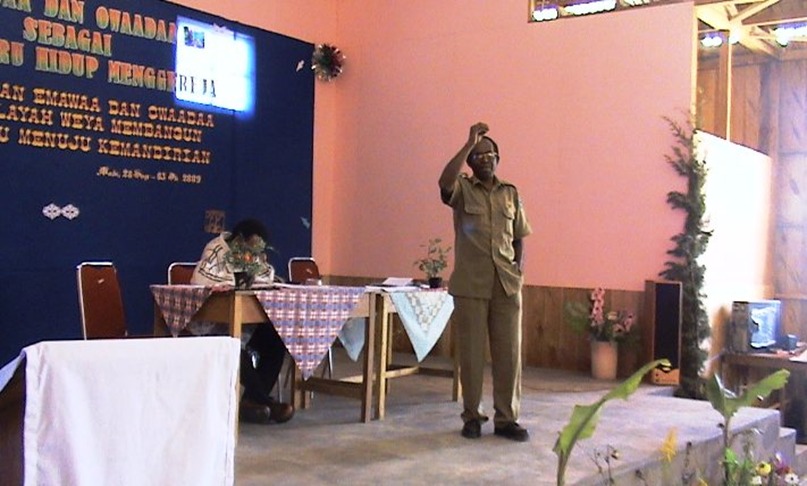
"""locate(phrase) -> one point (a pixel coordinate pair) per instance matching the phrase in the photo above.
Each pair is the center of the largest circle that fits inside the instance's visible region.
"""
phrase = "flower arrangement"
(245, 257)
(435, 260)
(602, 325)
(774, 473)
(327, 62)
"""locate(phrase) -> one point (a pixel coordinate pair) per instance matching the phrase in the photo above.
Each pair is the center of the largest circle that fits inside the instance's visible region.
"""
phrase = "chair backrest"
(180, 273)
(303, 268)
(100, 301)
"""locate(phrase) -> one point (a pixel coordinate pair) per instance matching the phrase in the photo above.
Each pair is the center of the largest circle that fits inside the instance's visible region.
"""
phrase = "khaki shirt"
(485, 225)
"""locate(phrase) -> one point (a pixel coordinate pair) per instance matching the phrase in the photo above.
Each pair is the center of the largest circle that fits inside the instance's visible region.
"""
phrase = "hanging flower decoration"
(327, 61)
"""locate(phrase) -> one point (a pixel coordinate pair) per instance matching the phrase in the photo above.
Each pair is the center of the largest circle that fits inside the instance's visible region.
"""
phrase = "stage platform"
(419, 441)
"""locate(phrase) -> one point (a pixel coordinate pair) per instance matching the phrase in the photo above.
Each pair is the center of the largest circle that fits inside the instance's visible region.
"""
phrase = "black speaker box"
(662, 323)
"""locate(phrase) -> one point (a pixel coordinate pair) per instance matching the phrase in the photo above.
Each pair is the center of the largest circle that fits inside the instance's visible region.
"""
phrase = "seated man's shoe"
(254, 413)
(281, 412)
(472, 429)
(513, 431)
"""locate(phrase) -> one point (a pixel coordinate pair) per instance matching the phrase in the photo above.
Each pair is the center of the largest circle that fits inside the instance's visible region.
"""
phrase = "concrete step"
(786, 445)
(800, 460)
(701, 455)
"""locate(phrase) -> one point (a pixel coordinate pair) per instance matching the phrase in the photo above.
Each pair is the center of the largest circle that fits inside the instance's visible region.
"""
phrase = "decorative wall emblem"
(52, 211)
(214, 221)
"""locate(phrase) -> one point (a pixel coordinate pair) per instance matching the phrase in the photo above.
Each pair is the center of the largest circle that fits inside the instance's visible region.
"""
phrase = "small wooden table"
(739, 369)
(371, 386)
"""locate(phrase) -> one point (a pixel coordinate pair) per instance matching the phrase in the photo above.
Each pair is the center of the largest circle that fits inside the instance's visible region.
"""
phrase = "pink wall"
(576, 106)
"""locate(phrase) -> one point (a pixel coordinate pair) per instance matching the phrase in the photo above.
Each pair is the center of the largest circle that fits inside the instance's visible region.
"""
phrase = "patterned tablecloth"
(178, 303)
(307, 318)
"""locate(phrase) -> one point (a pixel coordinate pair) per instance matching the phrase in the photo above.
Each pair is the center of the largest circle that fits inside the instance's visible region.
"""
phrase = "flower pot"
(244, 280)
(604, 360)
(435, 282)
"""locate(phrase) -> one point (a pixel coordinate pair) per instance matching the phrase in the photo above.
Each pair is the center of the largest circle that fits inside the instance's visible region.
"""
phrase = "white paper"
(396, 282)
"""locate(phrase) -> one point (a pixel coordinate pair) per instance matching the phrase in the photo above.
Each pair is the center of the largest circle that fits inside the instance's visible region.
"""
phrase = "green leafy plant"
(584, 418)
(244, 257)
(436, 259)
(740, 470)
(690, 244)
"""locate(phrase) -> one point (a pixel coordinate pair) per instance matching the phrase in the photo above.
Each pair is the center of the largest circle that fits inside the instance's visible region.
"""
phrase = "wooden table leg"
(236, 316)
(368, 370)
(381, 331)
(160, 326)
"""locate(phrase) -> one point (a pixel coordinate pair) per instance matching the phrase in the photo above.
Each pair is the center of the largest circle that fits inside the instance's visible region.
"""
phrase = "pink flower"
(608, 325)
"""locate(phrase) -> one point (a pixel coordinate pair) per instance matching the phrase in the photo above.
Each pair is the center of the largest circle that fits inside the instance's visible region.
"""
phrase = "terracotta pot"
(604, 360)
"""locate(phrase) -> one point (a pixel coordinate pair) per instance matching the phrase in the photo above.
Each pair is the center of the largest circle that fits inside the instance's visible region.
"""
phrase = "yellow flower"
(764, 469)
(668, 448)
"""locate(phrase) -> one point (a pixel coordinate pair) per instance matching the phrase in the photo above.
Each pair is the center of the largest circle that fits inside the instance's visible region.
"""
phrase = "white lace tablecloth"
(424, 314)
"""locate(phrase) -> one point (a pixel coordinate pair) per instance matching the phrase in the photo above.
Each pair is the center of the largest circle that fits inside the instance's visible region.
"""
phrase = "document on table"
(394, 284)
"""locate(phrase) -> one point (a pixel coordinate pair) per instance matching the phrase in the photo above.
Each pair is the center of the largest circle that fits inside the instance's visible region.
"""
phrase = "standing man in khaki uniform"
(489, 224)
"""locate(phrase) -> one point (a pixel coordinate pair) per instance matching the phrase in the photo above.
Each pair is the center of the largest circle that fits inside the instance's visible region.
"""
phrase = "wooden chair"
(303, 268)
(180, 273)
(100, 301)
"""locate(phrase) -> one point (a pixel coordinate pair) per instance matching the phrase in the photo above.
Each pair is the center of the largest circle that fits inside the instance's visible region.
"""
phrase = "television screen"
(756, 323)
(215, 66)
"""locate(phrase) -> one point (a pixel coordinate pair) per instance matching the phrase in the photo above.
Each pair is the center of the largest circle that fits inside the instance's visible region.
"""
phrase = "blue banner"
(132, 132)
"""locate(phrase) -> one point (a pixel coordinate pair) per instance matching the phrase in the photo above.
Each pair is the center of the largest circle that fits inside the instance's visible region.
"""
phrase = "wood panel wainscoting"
(548, 340)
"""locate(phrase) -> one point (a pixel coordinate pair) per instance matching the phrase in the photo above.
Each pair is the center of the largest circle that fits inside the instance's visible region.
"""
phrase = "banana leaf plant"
(585, 417)
(727, 403)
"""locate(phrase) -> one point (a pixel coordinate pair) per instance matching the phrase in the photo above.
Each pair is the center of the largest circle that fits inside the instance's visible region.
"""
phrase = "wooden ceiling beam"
(699, 3)
(753, 10)
(785, 11)
(718, 18)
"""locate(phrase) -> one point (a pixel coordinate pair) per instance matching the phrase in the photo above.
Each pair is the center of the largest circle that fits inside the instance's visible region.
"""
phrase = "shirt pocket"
(475, 219)
(507, 214)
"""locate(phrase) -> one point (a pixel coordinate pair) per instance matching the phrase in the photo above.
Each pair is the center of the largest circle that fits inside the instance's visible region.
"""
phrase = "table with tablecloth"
(309, 319)
(424, 314)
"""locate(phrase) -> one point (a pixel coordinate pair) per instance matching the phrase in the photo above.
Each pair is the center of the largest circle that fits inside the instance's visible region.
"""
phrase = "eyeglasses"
(485, 155)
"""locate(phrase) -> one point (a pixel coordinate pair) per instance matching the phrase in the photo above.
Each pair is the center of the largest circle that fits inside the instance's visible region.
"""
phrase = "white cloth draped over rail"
(129, 411)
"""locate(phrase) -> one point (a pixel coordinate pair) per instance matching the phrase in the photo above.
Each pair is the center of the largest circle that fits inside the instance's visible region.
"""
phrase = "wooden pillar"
(723, 91)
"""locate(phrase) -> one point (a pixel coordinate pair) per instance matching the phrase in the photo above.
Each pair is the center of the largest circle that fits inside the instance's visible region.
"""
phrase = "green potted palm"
(434, 262)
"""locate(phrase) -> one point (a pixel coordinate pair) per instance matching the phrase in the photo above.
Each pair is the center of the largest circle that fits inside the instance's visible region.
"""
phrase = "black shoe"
(256, 414)
(281, 412)
(472, 429)
(513, 431)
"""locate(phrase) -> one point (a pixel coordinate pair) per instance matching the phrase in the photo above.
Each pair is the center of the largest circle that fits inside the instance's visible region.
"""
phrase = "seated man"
(262, 351)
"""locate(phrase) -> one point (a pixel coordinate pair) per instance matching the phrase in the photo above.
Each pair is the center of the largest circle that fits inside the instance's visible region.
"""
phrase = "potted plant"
(605, 329)
(434, 262)
(246, 261)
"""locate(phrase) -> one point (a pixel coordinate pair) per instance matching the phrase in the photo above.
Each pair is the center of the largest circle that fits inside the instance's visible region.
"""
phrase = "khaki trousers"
(498, 319)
